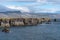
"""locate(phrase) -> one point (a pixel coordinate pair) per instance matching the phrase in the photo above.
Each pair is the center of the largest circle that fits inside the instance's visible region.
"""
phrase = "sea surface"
(38, 32)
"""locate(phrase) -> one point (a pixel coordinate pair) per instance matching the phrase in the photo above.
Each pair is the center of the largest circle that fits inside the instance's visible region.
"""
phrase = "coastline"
(22, 21)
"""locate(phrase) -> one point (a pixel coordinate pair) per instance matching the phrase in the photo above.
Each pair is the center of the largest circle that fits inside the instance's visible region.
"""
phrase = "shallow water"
(39, 32)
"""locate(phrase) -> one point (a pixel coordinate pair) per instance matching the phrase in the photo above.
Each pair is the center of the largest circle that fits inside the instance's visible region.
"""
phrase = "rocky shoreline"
(21, 21)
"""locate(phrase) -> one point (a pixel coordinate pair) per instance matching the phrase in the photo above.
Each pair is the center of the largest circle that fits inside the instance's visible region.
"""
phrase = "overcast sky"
(35, 6)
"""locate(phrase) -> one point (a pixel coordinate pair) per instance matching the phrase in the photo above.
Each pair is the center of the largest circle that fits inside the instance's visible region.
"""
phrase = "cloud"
(18, 0)
(38, 6)
(51, 1)
(41, 1)
(3, 8)
(22, 9)
(51, 10)
(46, 6)
(54, 1)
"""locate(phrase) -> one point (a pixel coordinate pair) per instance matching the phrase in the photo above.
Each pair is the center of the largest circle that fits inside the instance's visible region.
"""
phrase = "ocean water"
(39, 32)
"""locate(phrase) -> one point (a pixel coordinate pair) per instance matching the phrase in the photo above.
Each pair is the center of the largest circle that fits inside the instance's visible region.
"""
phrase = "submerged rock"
(54, 20)
(5, 30)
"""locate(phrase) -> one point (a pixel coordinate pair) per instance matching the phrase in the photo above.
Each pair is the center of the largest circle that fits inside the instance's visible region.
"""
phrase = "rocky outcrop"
(16, 21)
(42, 20)
(22, 21)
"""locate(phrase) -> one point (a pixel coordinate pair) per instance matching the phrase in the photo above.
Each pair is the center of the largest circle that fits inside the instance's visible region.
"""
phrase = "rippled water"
(39, 32)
